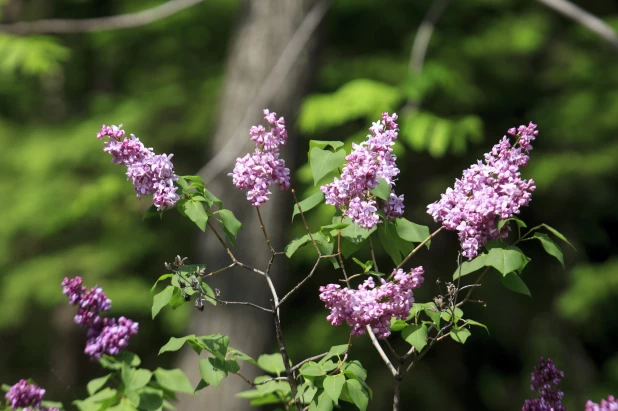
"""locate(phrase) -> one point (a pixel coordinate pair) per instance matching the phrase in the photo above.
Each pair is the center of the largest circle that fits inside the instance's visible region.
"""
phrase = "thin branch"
(423, 35)
(293, 290)
(270, 86)
(238, 303)
(272, 250)
(302, 215)
(218, 271)
(418, 247)
(581, 16)
(284, 355)
(373, 256)
(227, 249)
(124, 21)
(306, 360)
(378, 347)
(476, 284)
(248, 381)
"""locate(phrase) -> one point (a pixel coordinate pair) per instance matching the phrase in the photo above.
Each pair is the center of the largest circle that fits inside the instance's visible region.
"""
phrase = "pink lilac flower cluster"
(372, 305)
(150, 173)
(105, 335)
(24, 395)
(368, 161)
(606, 405)
(257, 171)
(545, 380)
(488, 191)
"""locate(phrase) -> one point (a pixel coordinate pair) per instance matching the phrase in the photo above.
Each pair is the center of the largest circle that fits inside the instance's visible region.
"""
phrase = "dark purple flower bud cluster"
(105, 335)
(606, 405)
(149, 172)
(372, 305)
(368, 161)
(545, 380)
(23, 395)
(488, 191)
(257, 171)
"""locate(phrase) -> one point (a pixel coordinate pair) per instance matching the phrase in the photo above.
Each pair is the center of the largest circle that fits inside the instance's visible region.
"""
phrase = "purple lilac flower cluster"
(488, 191)
(372, 305)
(255, 172)
(22, 395)
(545, 380)
(368, 161)
(606, 405)
(150, 173)
(105, 335)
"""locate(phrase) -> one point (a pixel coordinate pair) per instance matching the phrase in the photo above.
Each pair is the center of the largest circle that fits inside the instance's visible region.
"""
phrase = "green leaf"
(446, 315)
(478, 324)
(308, 203)
(161, 300)
(513, 282)
(502, 223)
(174, 344)
(322, 403)
(382, 190)
(323, 162)
(415, 335)
(150, 399)
(196, 213)
(558, 234)
(239, 355)
(212, 199)
(311, 369)
(333, 384)
(412, 232)
(96, 384)
(389, 242)
(433, 313)
(216, 344)
(173, 380)
(357, 393)
(355, 369)
(183, 184)
(334, 226)
(152, 212)
(505, 260)
(460, 334)
(335, 351)
(550, 246)
(355, 233)
(398, 325)
(138, 380)
(229, 222)
(163, 277)
(471, 266)
(323, 144)
(272, 363)
(213, 371)
(295, 244)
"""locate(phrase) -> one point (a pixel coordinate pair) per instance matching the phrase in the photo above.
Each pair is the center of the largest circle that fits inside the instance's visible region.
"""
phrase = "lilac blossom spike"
(23, 395)
(606, 405)
(368, 161)
(257, 171)
(545, 380)
(372, 305)
(151, 174)
(487, 191)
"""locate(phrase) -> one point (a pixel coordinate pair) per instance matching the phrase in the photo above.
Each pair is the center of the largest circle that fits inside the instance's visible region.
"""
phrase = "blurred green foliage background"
(490, 65)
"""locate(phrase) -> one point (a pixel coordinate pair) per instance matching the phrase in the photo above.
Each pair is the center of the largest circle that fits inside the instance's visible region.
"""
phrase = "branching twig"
(284, 354)
(124, 21)
(238, 303)
(378, 347)
(302, 215)
(418, 247)
(293, 290)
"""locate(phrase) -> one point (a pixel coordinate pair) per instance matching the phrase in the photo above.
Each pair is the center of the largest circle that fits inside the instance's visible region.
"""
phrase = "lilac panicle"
(545, 380)
(105, 335)
(368, 161)
(372, 304)
(23, 395)
(257, 171)
(606, 405)
(488, 191)
(150, 173)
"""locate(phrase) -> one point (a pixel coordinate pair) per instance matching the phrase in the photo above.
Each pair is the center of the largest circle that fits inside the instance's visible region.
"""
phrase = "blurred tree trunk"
(264, 30)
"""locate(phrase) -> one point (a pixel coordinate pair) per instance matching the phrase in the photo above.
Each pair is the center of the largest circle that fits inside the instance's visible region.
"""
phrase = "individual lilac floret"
(368, 161)
(487, 191)
(105, 335)
(149, 172)
(606, 405)
(545, 380)
(111, 338)
(372, 305)
(257, 171)
(23, 395)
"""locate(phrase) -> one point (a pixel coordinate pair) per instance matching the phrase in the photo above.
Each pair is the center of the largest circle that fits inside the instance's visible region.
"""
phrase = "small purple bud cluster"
(150, 173)
(372, 305)
(255, 172)
(23, 395)
(606, 405)
(488, 191)
(105, 335)
(368, 161)
(545, 380)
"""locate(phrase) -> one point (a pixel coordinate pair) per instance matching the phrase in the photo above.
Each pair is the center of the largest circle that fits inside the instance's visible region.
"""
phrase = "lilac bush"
(358, 190)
